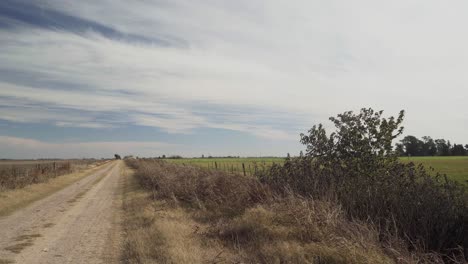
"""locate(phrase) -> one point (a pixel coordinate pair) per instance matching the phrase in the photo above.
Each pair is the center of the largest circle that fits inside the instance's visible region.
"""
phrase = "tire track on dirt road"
(78, 224)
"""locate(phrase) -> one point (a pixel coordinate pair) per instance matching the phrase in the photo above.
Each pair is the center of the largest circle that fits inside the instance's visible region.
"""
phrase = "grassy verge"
(12, 200)
(188, 214)
(158, 232)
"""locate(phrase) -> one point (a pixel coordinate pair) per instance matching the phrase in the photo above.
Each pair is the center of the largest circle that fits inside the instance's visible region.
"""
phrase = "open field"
(456, 168)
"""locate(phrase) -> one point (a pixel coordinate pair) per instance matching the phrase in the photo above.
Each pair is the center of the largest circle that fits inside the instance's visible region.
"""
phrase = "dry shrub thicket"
(20, 174)
(348, 200)
(402, 200)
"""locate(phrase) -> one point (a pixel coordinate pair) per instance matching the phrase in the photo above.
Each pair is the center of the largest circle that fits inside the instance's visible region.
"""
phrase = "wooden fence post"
(243, 168)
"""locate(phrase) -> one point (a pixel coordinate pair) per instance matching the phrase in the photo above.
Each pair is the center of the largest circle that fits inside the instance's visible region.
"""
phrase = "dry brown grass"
(11, 200)
(156, 232)
(218, 192)
(15, 174)
(299, 230)
(190, 211)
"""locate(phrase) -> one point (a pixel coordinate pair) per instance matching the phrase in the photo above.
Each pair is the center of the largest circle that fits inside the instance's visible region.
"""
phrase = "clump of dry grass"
(298, 230)
(156, 232)
(218, 192)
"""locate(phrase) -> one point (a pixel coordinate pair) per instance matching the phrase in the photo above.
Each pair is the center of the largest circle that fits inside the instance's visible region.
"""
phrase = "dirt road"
(78, 224)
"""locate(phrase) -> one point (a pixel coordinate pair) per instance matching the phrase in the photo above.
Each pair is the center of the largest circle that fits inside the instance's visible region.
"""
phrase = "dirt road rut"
(78, 224)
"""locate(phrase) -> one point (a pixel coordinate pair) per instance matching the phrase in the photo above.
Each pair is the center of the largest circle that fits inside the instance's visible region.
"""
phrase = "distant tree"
(117, 156)
(399, 149)
(163, 156)
(442, 147)
(458, 150)
(412, 146)
(429, 146)
(203, 156)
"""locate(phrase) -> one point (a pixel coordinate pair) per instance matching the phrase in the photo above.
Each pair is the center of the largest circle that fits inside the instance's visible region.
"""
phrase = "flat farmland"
(456, 168)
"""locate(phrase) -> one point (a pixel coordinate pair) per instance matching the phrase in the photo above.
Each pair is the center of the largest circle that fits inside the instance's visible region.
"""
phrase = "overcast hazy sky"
(90, 78)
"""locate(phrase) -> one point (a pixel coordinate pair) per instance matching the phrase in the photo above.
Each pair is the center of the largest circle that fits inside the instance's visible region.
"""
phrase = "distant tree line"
(426, 146)
(220, 157)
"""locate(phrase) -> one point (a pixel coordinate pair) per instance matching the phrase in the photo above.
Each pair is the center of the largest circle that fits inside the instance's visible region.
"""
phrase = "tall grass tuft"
(216, 191)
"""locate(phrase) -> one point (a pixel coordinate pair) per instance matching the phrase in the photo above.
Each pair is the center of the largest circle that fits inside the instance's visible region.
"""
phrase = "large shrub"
(356, 166)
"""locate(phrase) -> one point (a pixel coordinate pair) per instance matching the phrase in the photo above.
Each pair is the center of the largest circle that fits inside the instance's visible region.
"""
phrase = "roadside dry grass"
(298, 230)
(11, 200)
(180, 216)
(159, 232)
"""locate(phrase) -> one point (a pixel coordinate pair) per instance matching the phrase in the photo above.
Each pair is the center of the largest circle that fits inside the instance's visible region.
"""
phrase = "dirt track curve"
(78, 224)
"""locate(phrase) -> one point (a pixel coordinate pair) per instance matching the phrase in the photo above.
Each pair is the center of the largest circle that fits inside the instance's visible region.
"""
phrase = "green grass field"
(456, 168)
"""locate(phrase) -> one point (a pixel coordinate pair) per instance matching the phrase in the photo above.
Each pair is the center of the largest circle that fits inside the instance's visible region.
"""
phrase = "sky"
(219, 77)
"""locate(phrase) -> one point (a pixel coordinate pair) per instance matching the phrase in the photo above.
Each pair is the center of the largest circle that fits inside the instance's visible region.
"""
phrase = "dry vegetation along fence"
(246, 166)
(14, 175)
(296, 214)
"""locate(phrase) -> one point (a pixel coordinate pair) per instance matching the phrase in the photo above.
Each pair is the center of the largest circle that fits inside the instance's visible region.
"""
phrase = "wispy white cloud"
(301, 62)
